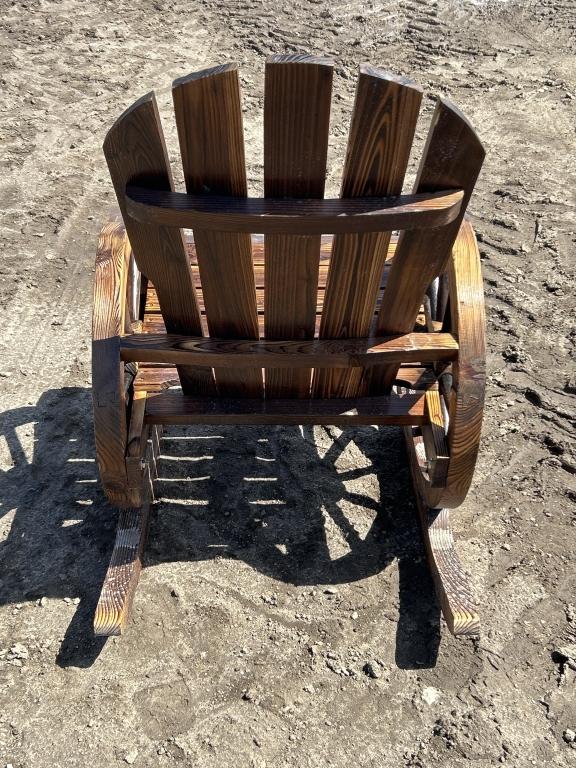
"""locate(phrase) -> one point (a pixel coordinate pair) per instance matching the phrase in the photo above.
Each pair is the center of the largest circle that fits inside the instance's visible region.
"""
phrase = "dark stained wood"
(219, 214)
(466, 410)
(435, 441)
(135, 152)
(381, 133)
(173, 408)
(441, 378)
(296, 116)
(466, 402)
(450, 579)
(209, 122)
(108, 391)
(113, 608)
(452, 158)
(340, 353)
(258, 249)
(156, 378)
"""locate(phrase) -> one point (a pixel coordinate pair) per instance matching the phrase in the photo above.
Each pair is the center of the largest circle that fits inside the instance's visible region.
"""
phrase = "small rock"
(174, 592)
(130, 757)
(42, 602)
(18, 651)
(330, 591)
(372, 670)
(569, 736)
(515, 354)
(354, 615)
(431, 695)
(505, 547)
(250, 695)
(67, 600)
(76, 601)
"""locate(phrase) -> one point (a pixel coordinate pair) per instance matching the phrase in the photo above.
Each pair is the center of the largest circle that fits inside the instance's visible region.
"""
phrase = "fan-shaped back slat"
(296, 117)
(452, 158)
(209, 121)
(381, 133)
(136, 152)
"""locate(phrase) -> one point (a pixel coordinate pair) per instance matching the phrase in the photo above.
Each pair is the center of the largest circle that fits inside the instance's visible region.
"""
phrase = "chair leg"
(121, 579)
(452, 584)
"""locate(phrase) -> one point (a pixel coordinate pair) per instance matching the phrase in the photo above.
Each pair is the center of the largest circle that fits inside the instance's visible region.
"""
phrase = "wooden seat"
(291, 308)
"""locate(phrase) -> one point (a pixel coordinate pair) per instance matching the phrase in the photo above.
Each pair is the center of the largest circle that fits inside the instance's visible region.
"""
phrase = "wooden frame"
(150, 330)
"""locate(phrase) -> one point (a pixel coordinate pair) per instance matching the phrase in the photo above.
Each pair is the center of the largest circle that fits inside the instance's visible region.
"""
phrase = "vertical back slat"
(135, 151)
(296, 118)
(209, 121)
(452, 159)
(383, 123)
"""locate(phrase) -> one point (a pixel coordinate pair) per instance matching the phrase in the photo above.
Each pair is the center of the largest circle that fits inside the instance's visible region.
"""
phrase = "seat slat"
(453, 157)
(156, 377)
(152, 301)
(296, 116)
(152, 304)
(173, 408)
(209, 121)
(381, 133)
(134, 148)
(258, 250)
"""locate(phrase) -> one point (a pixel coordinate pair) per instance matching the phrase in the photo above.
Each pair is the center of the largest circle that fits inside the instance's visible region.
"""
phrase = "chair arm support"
(108, 322)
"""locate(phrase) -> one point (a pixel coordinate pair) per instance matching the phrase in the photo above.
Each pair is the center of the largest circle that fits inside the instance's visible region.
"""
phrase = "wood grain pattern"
(173, 408)
(135, 152)
(209, 215)
(157, 378)
(452, 158)
(381, 133)
(113, 608)
(435, 440)
(296, 115)
(108, 390)
(248, 287)
(340, 353)
(450, 579)
(466, 402)
(468, 318)
(209, 122)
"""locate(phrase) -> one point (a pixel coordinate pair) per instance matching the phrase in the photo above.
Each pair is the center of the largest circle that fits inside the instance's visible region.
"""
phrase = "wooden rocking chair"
(324, 317)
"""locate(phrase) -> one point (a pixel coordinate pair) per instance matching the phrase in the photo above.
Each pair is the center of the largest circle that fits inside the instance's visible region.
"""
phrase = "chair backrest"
(296, 122)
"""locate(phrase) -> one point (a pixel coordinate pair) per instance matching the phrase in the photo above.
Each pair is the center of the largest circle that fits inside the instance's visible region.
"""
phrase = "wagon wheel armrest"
(466, 404)
(109, 319)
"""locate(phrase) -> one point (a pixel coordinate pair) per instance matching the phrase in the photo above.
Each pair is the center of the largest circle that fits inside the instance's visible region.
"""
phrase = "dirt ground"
(281, 562)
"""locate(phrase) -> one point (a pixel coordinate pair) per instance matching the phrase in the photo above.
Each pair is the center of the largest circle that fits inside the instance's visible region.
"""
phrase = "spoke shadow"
(56, 526)
(305, 506)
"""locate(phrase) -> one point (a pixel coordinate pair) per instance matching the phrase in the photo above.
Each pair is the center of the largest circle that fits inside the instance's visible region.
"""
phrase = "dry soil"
(283, 561)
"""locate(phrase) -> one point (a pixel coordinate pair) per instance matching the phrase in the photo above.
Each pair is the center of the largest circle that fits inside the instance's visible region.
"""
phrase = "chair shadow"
(296, 504)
